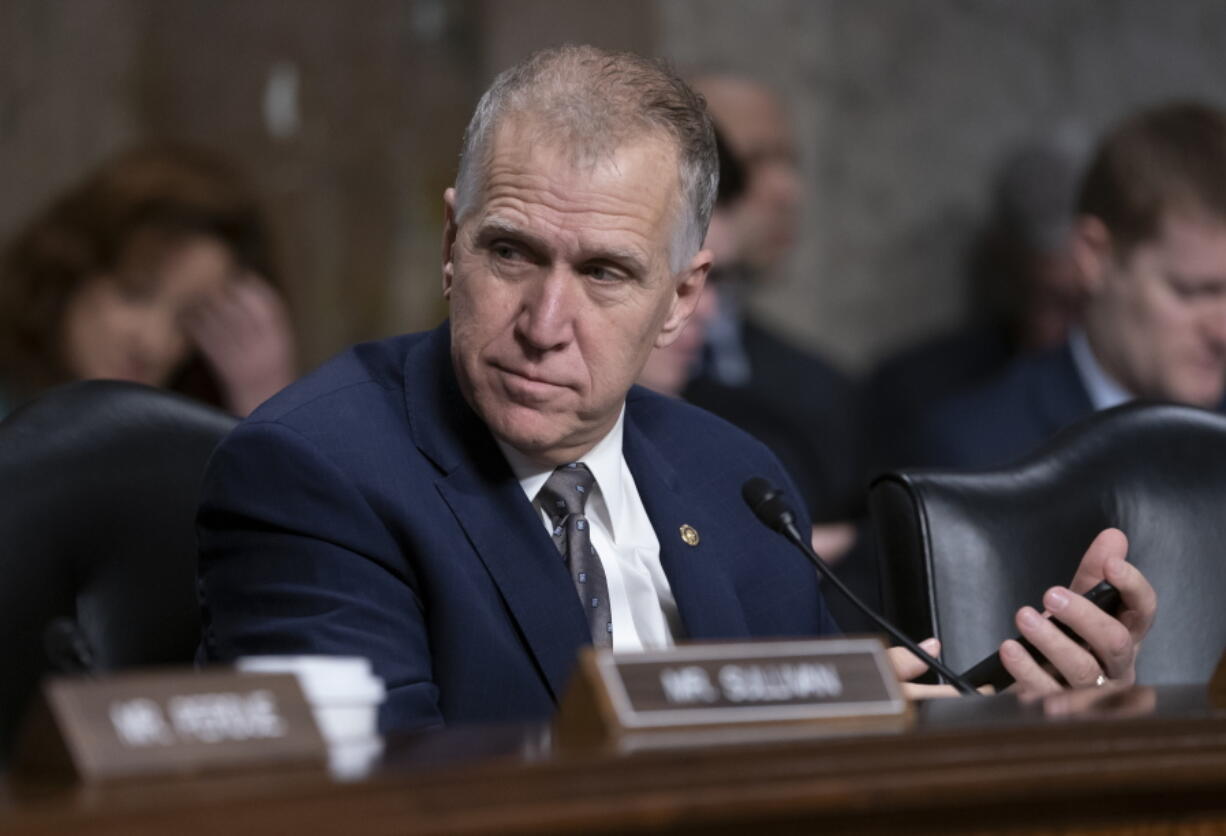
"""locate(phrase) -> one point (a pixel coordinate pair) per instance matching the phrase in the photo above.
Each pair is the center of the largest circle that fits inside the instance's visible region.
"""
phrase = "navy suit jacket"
(1004, 418)
(804, 410)
(366, 510)
(1007, 417)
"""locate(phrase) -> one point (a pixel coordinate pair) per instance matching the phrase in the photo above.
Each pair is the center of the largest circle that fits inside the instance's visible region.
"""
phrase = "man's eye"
(506, 252)
(602, 273)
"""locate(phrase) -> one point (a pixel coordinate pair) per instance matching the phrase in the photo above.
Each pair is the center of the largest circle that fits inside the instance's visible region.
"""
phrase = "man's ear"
(685, 297)
(450, 230)
(1093, 251)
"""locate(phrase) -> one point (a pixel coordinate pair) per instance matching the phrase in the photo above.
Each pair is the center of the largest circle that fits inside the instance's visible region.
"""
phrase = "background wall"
(348, 115)
(902, 109)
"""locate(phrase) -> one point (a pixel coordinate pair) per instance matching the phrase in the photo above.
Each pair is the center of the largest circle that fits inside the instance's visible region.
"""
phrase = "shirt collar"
(1103, 389)
(604, 460)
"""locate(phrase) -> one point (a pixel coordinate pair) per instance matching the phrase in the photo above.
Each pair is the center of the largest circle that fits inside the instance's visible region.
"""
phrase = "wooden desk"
(969, 766)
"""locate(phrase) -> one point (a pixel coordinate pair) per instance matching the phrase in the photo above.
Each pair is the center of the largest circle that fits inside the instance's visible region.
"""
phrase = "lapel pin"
(689, 535)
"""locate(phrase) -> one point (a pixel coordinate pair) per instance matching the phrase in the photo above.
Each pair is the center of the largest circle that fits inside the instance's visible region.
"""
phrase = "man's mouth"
(528, 385)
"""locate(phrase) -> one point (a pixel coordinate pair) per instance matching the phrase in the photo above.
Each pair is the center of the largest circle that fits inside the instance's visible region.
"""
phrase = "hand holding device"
(991, 671)
(772, 509)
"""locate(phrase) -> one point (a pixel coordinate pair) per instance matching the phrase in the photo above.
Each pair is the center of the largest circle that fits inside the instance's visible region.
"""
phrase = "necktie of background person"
(563, 499)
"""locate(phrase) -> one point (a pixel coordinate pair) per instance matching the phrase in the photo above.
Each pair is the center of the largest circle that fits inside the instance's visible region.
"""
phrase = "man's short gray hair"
(592, 101)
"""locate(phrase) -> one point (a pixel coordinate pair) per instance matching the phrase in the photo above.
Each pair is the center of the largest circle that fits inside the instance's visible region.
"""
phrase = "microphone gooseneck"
(769, 506)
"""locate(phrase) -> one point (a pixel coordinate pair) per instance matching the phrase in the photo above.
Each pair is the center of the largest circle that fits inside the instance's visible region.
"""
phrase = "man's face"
(560, 286)
(1157, 314)
(757, 130)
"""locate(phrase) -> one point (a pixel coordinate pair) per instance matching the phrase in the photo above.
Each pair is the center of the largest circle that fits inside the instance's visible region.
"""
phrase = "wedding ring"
(1100, 682)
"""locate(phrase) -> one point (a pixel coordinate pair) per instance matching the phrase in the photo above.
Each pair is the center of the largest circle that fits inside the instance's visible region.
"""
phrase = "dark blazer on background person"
(1004, 418)
(804, 409)
(906, 384)
(1007, 417)
(367, 510)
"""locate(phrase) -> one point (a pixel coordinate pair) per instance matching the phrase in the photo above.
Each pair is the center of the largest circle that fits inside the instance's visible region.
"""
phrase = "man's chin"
(531, 433)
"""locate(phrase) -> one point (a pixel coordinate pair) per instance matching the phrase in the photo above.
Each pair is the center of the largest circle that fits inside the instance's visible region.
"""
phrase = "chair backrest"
(99, 482)
(962, 551)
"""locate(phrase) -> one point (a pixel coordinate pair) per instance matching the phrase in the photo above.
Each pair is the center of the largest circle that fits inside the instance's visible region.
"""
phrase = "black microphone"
(772, 509)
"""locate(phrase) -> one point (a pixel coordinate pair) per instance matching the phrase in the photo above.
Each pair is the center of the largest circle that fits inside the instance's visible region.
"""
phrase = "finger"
(1072, 661)
(1030, 679)
(209, 328)
(232, 319)
(240, 305)
(915, 691)
(907, 665)
(263, 300)
(1140, 601)
(1110, 544)
(1109, 641)
(1114, 700)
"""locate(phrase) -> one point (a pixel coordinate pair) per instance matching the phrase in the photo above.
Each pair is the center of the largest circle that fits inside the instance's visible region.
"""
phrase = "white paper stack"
(345, 696)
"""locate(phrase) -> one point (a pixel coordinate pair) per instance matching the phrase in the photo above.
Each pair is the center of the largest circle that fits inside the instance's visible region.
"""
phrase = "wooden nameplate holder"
(168, 723)
(698, 694)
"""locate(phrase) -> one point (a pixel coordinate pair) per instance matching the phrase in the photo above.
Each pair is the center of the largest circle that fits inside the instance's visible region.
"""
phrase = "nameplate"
(180, 722)
(749, 689)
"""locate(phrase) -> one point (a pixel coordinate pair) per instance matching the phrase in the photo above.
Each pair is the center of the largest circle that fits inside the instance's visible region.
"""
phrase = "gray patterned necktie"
(563, 498)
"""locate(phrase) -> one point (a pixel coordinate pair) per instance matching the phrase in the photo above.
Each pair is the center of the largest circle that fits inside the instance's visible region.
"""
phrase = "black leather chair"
(99, 484)
(962, 551)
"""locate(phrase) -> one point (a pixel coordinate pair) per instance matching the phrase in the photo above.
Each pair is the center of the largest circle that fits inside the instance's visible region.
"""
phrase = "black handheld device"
(992, 672)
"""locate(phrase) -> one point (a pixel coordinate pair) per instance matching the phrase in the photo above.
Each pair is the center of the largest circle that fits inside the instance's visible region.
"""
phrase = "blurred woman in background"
(155, 269)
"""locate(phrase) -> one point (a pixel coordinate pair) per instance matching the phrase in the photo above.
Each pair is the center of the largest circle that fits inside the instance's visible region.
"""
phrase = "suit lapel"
(705, 594)
(478, 486)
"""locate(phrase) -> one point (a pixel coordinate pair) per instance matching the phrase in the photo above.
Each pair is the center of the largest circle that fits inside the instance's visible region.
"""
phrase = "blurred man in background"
(1025, 295)
(1150, 248)
(751, 376)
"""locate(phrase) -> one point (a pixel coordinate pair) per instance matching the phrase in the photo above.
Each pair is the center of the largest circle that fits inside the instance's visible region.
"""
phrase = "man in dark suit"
(1025, 294)
(1150, 244)
(794, 400)
(791, 399)
(469, 507)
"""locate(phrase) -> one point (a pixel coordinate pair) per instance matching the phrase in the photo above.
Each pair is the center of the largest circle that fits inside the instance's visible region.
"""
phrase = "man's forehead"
(523, 136)
(640, 175)
(1189, 244)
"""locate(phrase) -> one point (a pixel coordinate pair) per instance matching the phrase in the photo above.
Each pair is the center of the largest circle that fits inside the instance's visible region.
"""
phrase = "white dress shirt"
(1103, 389)
(641, 602)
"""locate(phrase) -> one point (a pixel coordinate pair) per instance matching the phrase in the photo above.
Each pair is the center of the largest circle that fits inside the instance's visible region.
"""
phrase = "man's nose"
(546, 320)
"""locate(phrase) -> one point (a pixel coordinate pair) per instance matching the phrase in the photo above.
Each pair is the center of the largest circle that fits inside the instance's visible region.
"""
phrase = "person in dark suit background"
(798, 402)
(793, 400)
(1150, 246)
(402, 502)
(1024, 295)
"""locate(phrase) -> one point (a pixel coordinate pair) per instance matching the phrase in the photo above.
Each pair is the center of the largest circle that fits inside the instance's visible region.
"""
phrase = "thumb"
(907, 665)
